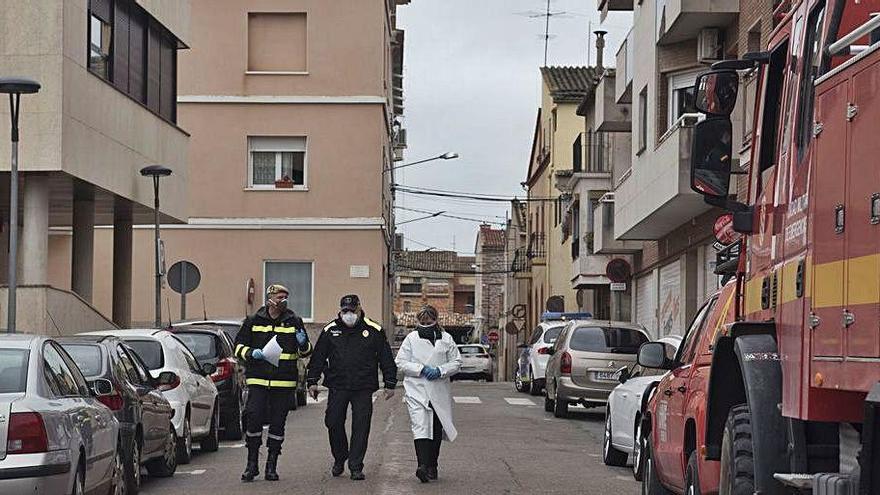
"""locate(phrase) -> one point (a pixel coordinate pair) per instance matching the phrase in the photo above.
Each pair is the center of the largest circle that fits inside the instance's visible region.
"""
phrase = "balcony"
(537, 251)
(623, 79)
(611, 5)
(603, 231)
(679, 20)
(589, 269)
(656, 197)
(610, 116)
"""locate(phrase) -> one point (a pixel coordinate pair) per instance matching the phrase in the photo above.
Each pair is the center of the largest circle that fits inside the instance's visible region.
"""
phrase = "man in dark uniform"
(271, 389)
(348, 353)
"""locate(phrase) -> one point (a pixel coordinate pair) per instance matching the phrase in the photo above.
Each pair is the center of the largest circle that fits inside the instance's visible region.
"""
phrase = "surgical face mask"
(349, 318)
(281, 304)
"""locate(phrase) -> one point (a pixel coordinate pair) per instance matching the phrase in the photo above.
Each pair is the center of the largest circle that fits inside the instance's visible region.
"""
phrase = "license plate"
(607, 376)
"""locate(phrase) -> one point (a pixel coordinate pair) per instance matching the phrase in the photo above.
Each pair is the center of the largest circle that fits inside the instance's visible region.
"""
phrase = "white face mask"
(349, 319)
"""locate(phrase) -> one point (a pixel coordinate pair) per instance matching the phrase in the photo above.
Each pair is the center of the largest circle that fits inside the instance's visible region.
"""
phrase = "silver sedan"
(55, 436)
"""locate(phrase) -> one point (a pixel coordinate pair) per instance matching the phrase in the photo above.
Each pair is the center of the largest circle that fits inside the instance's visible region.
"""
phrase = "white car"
(624, 410)
(476, 362)
(532, 365)
(193, 398)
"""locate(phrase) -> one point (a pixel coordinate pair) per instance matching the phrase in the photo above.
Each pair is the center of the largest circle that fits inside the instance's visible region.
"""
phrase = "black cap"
(350, 302)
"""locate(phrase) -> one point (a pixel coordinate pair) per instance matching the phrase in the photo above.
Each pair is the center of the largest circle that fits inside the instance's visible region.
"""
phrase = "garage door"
(669, 316)
(646, 302)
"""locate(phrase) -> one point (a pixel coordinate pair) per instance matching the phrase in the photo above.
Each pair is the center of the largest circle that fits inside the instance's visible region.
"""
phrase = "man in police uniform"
(348, 353)
(271, 389)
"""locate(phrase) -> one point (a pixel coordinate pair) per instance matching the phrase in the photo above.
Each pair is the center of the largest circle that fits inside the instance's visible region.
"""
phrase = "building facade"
(293, 107)
(106, 109)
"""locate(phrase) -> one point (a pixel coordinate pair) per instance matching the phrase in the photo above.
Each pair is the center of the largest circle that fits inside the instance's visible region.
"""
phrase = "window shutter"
(120, 45)
(153, 45)
(168, 79)
(137, 57)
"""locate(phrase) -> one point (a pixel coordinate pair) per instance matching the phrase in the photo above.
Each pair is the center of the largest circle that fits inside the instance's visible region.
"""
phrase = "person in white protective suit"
(428, 358)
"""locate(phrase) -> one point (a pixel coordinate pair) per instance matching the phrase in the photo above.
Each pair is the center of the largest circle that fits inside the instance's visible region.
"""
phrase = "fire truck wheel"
(737, 460)
(691, 476)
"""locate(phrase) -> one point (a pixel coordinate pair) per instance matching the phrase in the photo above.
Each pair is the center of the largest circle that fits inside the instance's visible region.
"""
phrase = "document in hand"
(272, 351)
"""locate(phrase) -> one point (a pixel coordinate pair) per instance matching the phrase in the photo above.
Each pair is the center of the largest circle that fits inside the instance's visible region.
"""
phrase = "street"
(506, 444)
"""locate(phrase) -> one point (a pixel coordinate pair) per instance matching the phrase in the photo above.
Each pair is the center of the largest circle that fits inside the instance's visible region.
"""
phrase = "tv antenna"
(546, 14)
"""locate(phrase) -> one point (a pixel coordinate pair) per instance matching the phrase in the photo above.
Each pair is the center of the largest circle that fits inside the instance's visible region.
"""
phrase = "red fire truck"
(794, 391)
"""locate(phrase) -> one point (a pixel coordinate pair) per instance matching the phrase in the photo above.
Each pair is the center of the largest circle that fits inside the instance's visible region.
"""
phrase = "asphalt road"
(506, 444)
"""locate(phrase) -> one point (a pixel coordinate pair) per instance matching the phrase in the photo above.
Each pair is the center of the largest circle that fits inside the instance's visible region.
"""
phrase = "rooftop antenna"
(546, 14)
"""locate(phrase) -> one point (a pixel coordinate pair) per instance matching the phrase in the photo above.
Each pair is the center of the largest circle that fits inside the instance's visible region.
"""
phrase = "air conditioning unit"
(709, 45)
(400, 139)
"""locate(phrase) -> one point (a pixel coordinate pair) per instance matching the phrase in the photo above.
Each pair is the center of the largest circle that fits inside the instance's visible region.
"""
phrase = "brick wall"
(755, 16)
(491, 285)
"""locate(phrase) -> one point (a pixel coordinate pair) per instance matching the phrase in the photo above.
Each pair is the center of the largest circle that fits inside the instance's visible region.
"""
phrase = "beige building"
(292, 108)
(107, 108)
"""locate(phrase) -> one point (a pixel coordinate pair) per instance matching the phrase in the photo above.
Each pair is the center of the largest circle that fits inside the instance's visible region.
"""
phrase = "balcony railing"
(537, 246)
(592, 152)
(521, 262)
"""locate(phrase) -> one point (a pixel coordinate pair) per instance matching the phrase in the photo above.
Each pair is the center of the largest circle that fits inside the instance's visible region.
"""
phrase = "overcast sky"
(472, 86)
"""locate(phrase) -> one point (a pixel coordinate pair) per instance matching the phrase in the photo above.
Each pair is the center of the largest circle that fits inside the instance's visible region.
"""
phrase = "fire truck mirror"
(716, 92)
(711, 157)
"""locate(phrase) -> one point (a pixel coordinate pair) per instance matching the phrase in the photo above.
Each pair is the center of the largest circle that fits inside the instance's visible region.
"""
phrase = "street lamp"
(157, 171)
(14, 87)
(444, 156)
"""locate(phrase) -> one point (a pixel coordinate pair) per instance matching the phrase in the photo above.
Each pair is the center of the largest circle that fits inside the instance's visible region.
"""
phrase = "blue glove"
(432, 373)
(301, 337)
(257, 354)
(426, 370)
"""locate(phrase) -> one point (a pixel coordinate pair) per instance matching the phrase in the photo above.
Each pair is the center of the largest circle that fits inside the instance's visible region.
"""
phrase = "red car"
(673, 429)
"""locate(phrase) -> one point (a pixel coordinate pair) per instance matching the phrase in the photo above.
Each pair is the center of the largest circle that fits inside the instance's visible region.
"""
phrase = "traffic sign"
(618, 286)
(618, 270)
(484, 340)
(494, 337)
(184, 277)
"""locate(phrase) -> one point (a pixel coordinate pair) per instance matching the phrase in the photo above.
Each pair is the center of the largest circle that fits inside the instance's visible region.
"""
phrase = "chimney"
(600, 50)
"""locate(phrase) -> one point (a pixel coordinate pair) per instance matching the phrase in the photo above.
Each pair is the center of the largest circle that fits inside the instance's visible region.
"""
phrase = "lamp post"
(14, 87)
(444, 156)
(156, 172)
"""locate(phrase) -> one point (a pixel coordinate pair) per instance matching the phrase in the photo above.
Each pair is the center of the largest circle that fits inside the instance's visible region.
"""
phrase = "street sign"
(183, 277)
(618, 270)
(512, 328)
(494, 337)
(618, 287)
(484, 340)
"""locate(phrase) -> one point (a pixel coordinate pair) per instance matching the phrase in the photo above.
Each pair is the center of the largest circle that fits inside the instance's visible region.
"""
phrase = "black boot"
(432, 473)
(337, 469)
(422, 474)
(271, 466)
(253, 464)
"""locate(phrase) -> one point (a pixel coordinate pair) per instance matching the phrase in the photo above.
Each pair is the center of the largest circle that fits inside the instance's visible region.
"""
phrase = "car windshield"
(150, 352)
(13, 370)
(87, 357)
(607, 339)
(202, 345)
(552, 334)
(471, 350)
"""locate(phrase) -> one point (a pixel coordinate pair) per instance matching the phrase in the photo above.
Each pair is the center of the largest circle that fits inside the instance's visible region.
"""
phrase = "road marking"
(232, 446)
(194, 471)
(467, 400)
(518, 401)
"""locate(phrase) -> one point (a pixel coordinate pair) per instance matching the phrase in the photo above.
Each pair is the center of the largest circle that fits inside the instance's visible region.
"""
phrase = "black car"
(128, 389)
(211, 344)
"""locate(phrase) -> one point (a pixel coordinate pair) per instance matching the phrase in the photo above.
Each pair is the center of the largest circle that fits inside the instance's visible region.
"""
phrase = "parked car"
(626, 407)
(534, 355)
(57, 436)
(229, 325)
(193, 397)
(675, 416)
(584, 362)
(211, 344)
(136, 400)
(476, 362)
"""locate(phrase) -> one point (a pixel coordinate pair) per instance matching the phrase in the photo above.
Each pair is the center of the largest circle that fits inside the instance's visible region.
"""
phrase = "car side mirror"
(101, 387)
(208, 369)
(653, 355)
(623, 374)
(711, 155)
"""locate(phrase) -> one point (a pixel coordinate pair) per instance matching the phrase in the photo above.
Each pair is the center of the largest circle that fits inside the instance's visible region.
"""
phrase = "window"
(552, 334)
(13, 370)
(437, 287)
(681, 96)
(770, 113)
(296, 276)
(87, 357)
(203, 345)
(812, 59)
(134, 53)
(276, 160)
(577, 153)
(687, 349)
(139, 365)
(59, 378)
(128, 366)
(187, 355)
(150, 352)
(643, 119)
(277, 42)
(607, 340)
(410, 286)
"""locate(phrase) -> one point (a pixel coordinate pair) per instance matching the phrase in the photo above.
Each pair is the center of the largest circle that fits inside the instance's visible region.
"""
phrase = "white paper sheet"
(272, 352)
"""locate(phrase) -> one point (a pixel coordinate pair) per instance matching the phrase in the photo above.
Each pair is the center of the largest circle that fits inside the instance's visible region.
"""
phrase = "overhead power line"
(472, 196)
(445, 215)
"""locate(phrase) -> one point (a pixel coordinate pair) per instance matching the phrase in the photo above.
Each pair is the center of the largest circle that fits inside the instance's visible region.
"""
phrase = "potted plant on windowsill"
(284, 183)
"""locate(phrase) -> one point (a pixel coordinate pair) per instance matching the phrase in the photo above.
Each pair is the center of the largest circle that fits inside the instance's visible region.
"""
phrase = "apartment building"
(106, 109)
(669, 44)
(443, 279)
(516, 292)
(293, 107)
(551, 160)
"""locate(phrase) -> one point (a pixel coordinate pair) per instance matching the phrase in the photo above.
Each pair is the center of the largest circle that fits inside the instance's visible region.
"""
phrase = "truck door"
(862, 228)
(828, 219)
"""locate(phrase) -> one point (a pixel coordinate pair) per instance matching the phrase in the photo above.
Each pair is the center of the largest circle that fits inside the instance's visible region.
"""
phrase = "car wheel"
(232, 429)
(737, 455)
(212, 442)
(610, 455)
(132, 469)
(79, 479)
(651, 483)
(302, 397)
(119, 475)
(534, 388)
(488, 377)
(691, 476)
(518, 383)
(638, 459)
(560, 407)
(184, 445)
(165, 466)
